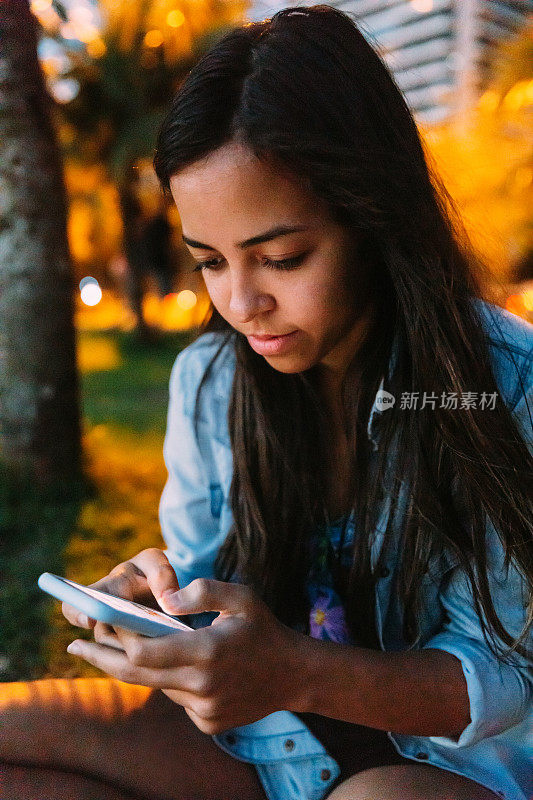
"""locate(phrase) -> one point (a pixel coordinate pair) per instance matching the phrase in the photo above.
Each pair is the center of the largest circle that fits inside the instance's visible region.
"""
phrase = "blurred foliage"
(84, 536)
(513, 61)
(129, 72)
(126, 70)
(94, 221)
(486, 160)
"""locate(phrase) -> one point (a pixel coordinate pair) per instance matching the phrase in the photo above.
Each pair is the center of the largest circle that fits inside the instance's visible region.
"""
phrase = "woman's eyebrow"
(273, 233)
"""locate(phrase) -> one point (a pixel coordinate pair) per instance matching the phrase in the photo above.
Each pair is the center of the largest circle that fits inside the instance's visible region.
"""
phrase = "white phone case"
(108, 608)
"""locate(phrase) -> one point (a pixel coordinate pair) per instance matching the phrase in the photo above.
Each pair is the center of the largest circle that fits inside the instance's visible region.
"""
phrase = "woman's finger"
(77, 617)
(173, 650)
(158, 571)
(104, 634)
(142, 579)
(116, 663)
(113, 662)
(207, 594)
(126, 580)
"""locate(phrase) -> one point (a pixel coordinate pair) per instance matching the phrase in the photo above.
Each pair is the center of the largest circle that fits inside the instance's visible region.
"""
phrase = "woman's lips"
(265, 336)
(272, 345)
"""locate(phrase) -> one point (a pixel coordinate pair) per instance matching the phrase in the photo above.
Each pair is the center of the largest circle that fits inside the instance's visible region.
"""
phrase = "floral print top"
(329, 544)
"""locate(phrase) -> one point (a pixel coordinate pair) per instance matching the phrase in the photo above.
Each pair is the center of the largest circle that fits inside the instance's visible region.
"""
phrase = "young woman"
(350, 471)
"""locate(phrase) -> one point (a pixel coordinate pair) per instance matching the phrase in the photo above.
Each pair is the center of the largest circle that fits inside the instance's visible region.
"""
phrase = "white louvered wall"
(438, 50)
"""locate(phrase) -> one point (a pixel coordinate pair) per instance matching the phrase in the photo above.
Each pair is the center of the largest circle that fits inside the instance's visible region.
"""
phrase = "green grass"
(133, 395)
(124, 387)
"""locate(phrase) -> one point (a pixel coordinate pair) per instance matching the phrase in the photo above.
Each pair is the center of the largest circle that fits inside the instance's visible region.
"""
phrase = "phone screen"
(129, 606)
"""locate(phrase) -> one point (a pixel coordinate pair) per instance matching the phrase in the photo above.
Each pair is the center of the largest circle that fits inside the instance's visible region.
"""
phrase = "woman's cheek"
(217, 297)
(309, 297)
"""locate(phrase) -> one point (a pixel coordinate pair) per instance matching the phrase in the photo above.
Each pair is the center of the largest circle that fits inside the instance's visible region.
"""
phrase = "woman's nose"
(247, 300)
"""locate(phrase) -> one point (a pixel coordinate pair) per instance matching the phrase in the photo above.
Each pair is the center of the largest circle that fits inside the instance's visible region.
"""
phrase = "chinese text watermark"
(450, 401)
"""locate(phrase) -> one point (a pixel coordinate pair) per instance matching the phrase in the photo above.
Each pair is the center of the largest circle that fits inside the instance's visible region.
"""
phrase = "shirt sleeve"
(190, 528)
(500, 694)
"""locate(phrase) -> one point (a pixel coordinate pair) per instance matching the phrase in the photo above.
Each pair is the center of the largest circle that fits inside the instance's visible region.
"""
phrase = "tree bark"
(39, 406)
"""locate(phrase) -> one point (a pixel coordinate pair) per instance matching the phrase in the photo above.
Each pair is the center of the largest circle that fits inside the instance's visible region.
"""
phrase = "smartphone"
(108, 608)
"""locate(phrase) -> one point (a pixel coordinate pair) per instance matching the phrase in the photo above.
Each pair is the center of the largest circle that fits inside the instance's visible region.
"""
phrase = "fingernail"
(74, 648)
(83, 620)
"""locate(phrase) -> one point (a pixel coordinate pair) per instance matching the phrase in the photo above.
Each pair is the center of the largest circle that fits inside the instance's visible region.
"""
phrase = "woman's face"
(232, 207)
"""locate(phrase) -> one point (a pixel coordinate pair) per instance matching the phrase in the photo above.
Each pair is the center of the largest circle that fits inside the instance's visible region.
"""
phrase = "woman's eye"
(211, 264)
(285, 263)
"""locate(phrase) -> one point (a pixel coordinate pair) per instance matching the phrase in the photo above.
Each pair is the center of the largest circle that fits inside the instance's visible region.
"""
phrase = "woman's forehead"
(237, 167)
(235, 159)
(237, 183)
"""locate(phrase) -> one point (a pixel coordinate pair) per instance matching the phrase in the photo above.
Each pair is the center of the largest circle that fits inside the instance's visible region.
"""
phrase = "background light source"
(175, 18)
(90, 291)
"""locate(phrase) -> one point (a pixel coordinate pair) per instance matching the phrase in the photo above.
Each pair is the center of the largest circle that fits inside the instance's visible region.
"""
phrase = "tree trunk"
(39, 408)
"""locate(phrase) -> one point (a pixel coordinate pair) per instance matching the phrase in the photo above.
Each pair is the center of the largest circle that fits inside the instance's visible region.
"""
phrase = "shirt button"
(325, 774)
(422, 755)
(230, 739)
(289, 745)
(384, 571)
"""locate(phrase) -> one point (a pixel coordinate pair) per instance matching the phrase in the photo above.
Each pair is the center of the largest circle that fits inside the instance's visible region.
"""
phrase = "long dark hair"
(306, 88)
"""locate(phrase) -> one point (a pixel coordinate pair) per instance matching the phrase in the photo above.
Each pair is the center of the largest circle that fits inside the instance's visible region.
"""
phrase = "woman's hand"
(143, 579)
(242, 667)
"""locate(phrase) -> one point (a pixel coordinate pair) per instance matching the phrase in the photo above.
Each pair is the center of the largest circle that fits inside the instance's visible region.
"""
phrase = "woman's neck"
(333, 368)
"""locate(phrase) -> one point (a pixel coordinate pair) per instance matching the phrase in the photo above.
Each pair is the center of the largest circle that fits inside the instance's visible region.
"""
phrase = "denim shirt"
(496, 747)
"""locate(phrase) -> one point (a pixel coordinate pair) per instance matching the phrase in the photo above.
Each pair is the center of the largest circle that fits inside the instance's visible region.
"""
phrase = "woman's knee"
(416, 782)
(48, 721)
(129, 735)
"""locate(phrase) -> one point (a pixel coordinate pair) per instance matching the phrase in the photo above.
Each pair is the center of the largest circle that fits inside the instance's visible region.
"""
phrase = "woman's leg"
(132, 736)
(413, 781)
(35, 783)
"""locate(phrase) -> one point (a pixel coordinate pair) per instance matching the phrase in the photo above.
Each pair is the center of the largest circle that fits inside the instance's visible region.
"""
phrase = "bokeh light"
(90, 291)
(96, 48)
(68, 31)
(87, 280)
(87, 33)
(519, 96)
(175, 18)
(153, 38)
(82, 15)
(186, 299)
(65, 90)
(489, 101)
(53, 58)
(38, 6)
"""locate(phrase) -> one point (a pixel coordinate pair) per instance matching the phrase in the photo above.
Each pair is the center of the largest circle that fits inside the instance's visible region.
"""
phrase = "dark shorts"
(354, 747)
